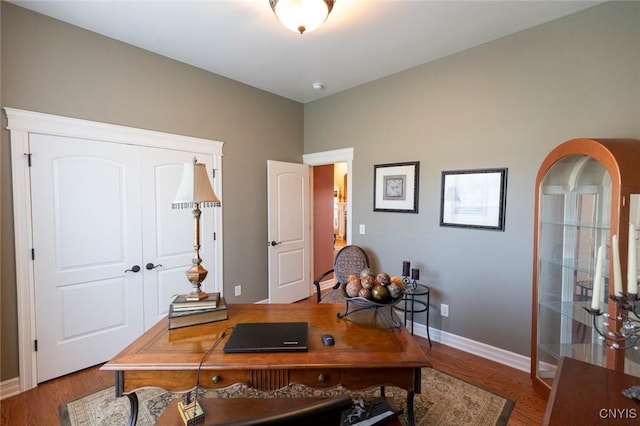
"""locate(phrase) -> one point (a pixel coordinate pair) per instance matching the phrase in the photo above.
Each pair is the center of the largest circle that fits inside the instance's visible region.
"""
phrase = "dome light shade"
(301, 15)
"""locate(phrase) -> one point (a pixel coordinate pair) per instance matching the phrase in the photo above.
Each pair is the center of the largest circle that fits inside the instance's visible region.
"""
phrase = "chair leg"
(317, 284)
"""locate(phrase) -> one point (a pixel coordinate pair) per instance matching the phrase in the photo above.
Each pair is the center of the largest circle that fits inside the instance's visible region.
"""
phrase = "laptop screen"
(268, 337)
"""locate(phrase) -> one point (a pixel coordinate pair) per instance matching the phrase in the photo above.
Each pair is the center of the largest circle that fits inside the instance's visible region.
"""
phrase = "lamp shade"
(195, 188)
(302, 15)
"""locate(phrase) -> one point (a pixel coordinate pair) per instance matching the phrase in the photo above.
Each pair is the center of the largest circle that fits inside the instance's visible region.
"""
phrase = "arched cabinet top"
(618, 156)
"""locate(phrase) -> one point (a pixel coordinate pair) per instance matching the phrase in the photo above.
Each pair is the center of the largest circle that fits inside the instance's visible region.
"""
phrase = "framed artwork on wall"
(474, 198)
(395, 187)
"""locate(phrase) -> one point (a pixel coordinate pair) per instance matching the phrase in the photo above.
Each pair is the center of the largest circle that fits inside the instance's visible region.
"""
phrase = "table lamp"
(194, 192)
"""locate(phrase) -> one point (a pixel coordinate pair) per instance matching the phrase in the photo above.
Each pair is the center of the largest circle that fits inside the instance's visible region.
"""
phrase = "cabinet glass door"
(575, 198)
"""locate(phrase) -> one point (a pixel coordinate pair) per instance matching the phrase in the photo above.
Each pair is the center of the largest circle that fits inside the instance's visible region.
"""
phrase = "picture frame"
(395, 187)
(474, 198)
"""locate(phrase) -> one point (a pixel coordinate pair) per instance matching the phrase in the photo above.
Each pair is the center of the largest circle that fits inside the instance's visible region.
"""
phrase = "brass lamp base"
(196, 295)
(196, 274)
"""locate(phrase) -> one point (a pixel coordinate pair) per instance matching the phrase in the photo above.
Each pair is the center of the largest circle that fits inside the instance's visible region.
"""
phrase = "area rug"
(444, 401)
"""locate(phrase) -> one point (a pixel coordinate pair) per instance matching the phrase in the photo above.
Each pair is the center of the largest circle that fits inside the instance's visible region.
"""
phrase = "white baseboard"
(510, 359)
(9, 388)
(324, 285)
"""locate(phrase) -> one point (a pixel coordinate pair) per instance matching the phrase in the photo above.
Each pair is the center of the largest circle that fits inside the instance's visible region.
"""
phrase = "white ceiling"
(361, 41)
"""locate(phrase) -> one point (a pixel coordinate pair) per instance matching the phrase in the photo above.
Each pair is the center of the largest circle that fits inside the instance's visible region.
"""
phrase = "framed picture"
(474, 198)
(395, 187)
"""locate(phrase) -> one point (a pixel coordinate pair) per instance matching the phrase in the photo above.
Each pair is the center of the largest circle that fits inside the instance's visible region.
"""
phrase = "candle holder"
(625, 333)
(409, 283)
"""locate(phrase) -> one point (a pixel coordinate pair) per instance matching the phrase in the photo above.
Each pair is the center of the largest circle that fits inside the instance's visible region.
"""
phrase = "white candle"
(617, 272)
(632, 270)
(597, 281)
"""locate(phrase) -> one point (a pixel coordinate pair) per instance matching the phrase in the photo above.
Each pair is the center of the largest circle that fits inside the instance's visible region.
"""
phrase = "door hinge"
(213, 173)
(28, 154)
(214, 236)
(35, 345)
(33, 254)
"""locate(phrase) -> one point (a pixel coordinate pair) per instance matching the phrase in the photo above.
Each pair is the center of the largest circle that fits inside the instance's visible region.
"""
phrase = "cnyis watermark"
(618, 413)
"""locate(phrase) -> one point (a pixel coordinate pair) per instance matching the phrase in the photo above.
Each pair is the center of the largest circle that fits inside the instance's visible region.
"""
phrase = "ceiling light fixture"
(302, 15)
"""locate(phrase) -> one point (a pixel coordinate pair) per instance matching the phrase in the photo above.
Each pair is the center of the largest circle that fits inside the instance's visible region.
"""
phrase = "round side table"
(410, 304)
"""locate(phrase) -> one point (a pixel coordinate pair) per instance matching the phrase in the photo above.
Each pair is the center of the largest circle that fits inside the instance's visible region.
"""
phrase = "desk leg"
(133, 401)
(411, 417)
(133, 398)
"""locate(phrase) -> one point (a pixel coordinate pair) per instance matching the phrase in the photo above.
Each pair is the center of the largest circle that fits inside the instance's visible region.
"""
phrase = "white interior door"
(168, 233)
(86, 232)
(289, 231)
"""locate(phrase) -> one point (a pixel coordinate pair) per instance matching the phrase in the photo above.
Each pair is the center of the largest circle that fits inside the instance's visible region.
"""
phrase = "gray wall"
(52, 67)
(504, 104)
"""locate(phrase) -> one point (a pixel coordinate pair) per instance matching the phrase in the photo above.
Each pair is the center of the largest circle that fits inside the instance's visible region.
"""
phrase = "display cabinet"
(587, 191)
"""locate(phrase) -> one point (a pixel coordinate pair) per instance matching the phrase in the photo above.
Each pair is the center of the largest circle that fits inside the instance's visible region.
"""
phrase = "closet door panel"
(86, 235)
(169, 233)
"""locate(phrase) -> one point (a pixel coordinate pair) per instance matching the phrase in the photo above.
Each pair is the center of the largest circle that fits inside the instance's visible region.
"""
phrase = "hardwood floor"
(39, 406)
(492, 376)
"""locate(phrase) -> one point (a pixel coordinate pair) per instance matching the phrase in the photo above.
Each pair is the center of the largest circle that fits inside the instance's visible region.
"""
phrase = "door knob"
(134, 268)
(274, 243)
(151, 266)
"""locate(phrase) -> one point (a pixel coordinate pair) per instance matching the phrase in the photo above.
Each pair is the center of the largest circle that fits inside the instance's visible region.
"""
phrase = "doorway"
(338, 204)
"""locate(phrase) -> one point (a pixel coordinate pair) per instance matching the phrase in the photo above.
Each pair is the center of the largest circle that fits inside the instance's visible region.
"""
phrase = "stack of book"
(183, 313)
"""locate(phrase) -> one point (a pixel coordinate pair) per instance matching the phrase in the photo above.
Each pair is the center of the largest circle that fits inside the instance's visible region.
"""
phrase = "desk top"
(363, 340)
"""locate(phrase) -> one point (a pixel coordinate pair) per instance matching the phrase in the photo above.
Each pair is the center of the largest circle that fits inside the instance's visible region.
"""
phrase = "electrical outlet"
(238, 289)
(444, 310)
(362, 229)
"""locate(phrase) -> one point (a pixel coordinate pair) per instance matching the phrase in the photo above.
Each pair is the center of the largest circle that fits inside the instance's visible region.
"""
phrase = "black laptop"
(268, 337)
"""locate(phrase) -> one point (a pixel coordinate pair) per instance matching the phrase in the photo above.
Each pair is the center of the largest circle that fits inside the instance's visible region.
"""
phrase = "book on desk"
(180, 302)
(185, 318)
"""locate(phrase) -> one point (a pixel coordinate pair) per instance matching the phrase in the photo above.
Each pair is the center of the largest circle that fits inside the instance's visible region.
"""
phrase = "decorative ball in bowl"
(378, 288)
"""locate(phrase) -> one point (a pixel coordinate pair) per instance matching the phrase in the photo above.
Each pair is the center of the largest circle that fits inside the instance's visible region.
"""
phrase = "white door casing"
(289, 241)
(24, 127)
(344, 155)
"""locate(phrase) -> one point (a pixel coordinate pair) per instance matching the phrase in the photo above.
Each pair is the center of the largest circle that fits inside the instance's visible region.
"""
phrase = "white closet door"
(86, 233)
(168, 233)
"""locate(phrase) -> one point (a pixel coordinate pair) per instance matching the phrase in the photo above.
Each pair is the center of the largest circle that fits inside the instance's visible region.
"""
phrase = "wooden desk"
(368, 352)
(586, 394)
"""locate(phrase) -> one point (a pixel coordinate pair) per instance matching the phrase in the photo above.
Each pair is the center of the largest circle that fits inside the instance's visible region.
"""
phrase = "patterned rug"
(444, 401)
